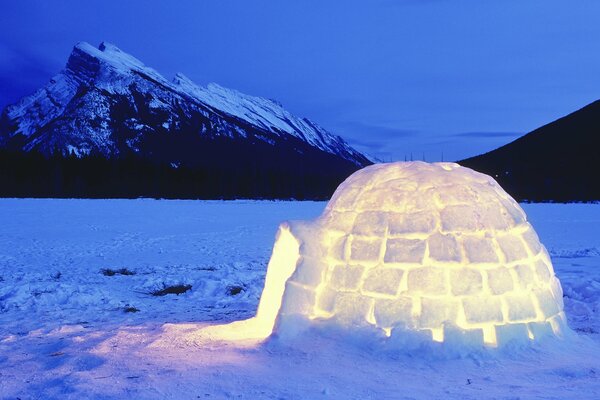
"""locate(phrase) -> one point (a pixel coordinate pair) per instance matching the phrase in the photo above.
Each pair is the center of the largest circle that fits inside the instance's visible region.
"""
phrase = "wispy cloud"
(486, 134)
(371, 131)
(378, 141)
(21, 73)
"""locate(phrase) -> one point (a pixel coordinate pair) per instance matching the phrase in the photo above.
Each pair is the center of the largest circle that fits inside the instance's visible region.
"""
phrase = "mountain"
(107, 105)
(557, 162)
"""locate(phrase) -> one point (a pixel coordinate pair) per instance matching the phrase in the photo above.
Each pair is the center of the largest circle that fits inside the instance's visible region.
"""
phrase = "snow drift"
(436, 252)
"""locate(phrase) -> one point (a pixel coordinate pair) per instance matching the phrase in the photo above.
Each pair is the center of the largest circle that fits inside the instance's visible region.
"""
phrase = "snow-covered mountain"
(108, 102)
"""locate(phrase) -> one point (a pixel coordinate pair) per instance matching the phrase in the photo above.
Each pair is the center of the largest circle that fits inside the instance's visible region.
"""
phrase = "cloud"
(378, 141)
(374, 131)
(21, 73)
(487, 134)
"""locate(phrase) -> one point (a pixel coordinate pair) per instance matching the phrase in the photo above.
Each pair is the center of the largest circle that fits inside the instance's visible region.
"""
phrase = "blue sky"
(427, 77)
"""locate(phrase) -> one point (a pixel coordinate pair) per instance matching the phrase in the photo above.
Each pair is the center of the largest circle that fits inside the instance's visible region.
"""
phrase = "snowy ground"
(68, 329)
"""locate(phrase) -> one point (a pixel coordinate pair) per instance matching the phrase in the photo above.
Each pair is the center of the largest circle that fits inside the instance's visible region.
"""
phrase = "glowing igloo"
(434, 249)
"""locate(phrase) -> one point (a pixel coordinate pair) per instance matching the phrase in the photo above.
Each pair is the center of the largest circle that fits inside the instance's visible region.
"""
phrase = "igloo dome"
(437, 250)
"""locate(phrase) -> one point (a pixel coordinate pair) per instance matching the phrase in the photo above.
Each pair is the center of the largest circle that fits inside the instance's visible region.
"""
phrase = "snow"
(64, 332)
(119, 60)
(79, 152)
(38, 109)
(261, 112)
(264, 113)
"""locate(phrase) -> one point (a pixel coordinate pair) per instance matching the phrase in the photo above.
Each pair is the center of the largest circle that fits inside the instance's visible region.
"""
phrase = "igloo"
(437, 250)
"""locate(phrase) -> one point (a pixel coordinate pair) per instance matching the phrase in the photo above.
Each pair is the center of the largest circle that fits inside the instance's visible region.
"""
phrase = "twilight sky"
(393, 77)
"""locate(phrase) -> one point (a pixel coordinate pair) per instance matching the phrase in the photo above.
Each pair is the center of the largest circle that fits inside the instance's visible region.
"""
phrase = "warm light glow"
(431, 248)
(280, 268)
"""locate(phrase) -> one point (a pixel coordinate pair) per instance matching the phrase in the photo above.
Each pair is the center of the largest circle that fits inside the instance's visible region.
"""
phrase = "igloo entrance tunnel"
(437, 250)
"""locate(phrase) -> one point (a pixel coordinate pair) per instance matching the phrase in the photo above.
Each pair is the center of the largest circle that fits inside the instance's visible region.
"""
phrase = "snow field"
(65, 333)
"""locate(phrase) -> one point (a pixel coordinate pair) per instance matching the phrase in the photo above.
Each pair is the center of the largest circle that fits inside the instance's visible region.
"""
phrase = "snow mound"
(436, 252)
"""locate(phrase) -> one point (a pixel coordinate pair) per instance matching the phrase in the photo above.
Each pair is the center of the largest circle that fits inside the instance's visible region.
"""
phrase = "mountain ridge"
(108, 103)
(555, 162)
(108, 68)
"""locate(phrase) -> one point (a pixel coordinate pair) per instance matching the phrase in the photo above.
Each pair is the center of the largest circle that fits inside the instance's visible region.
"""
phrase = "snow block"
(540, 330)
(436, 311)
(443, 248)
(337, 249)
(346, 277)
(512, 208)
(542, 271)
(514, 334)
(300, 300)
(458, 338)
(512, 247)
(384, 281)
(404, 251)
(370, 223)
(546, 303)
(459, 195)
(532, 240)
(364, 249)
(499, 280)
(495, 217)
(351, 308)
(310, 271)
(479, 249)
(390, 312)
(460, 218)
(525, 276)
(559, 324)
(418, 222)
(557, 292)
(520, 306)
(429, 280)
(341, 221)
(325, 300)
(482, 309)
(465, 281)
